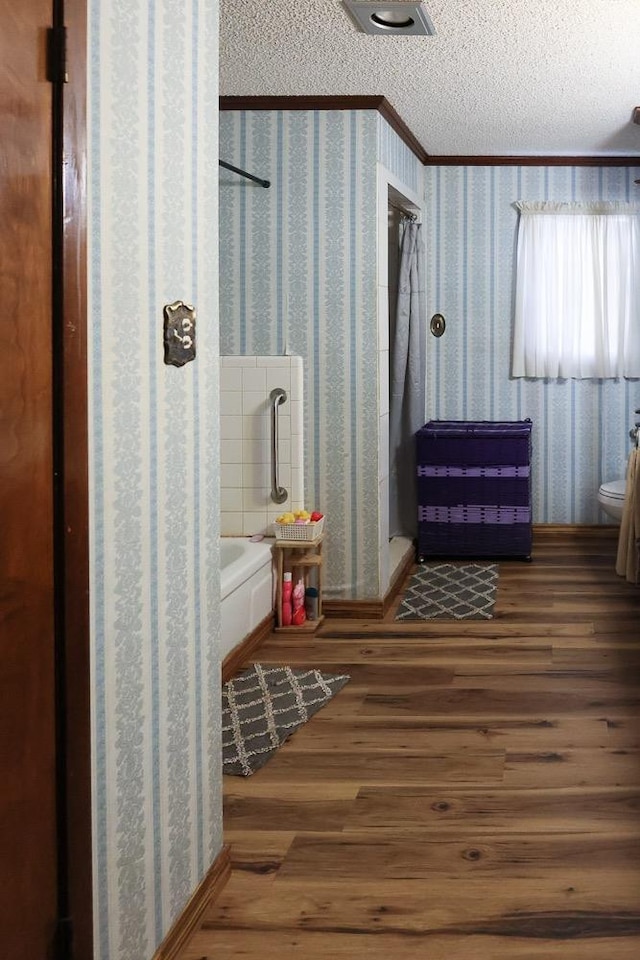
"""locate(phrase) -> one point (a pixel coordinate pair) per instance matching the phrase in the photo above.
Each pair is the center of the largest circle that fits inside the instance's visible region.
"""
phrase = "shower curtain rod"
(243, 173)
(405, 213)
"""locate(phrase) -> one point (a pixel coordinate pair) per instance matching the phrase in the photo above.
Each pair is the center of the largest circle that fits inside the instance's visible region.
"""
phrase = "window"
(577, 290)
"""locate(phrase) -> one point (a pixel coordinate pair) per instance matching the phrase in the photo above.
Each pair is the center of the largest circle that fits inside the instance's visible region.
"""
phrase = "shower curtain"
(407, 393)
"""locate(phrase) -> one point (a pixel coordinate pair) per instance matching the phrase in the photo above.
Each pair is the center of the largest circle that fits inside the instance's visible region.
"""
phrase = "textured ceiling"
(501, 77)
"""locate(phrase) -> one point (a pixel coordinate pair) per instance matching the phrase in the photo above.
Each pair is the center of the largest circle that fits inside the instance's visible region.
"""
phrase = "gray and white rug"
(265, 705)
(448, 591)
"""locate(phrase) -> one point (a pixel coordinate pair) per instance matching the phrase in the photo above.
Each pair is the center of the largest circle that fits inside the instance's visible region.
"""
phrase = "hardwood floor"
(473, 793)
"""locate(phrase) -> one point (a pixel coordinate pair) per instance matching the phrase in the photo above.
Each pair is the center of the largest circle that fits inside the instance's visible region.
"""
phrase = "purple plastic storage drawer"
(474, 488)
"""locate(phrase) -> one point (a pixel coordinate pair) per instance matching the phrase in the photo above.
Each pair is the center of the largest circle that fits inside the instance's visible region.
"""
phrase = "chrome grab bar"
(277, 397)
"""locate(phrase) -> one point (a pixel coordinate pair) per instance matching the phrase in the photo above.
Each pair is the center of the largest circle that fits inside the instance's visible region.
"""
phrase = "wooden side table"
(305, 555)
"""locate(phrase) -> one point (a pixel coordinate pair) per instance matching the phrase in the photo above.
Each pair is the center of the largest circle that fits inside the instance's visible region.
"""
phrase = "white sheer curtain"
(577, 290)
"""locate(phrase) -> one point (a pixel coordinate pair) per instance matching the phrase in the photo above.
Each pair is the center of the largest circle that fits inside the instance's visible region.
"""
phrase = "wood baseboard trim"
(572, 529)
(378, 609)
(239, 655)
(353, 609)
(374, 609)
(208, 889)
(397, 580)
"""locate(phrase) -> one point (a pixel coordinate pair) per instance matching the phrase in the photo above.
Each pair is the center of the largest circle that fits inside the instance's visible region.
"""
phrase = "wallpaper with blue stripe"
(580, 428)
(395, 155)
(154, 467)
(297, 268)
(298, 275)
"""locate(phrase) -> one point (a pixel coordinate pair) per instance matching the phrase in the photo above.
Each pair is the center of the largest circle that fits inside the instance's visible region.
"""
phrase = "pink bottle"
(287, 589)
(297, 602)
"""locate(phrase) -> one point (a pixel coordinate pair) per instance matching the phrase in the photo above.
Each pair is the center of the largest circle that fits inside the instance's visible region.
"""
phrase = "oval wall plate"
(437, 325)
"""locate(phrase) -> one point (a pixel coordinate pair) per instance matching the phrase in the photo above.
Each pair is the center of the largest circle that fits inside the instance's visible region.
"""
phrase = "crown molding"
(381, 104)
(393, 118)
(435, 160)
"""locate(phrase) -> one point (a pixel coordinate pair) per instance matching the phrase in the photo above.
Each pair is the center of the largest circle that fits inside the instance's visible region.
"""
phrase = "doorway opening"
(400, 211)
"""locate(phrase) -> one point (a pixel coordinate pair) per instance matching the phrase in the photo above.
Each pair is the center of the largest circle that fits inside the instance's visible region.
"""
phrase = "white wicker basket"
(299, 531)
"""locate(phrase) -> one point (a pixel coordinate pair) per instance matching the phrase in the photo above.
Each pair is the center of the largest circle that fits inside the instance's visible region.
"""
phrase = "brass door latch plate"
(179, 333)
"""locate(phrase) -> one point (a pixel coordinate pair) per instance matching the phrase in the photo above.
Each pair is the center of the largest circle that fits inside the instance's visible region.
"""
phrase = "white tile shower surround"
(246, 507)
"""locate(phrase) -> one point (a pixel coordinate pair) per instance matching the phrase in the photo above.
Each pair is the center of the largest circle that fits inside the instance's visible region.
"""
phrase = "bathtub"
(246, 588)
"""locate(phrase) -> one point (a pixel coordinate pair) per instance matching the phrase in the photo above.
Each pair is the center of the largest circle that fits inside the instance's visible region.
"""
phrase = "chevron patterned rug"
(265, 705)
(448, 591)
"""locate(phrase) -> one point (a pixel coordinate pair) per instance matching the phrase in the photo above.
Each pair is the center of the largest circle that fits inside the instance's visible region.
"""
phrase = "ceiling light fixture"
(392, 19)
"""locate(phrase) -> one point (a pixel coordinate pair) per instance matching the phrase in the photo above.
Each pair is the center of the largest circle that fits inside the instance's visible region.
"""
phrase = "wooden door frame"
(72, 573)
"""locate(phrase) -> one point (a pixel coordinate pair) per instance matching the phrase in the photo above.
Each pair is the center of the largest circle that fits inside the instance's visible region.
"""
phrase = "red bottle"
(287, 589)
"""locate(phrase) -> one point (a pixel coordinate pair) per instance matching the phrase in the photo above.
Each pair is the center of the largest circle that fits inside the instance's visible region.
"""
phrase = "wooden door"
(38, 568)
(27, 705)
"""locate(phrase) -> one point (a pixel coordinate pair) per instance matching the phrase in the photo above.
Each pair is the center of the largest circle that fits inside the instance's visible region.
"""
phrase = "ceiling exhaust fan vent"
(392, 19)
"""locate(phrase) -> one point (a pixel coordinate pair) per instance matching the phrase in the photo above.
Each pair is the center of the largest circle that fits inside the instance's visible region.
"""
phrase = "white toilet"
(611, 498)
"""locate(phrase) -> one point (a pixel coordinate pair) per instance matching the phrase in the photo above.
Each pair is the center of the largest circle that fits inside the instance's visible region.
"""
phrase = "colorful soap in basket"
(299, 525)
